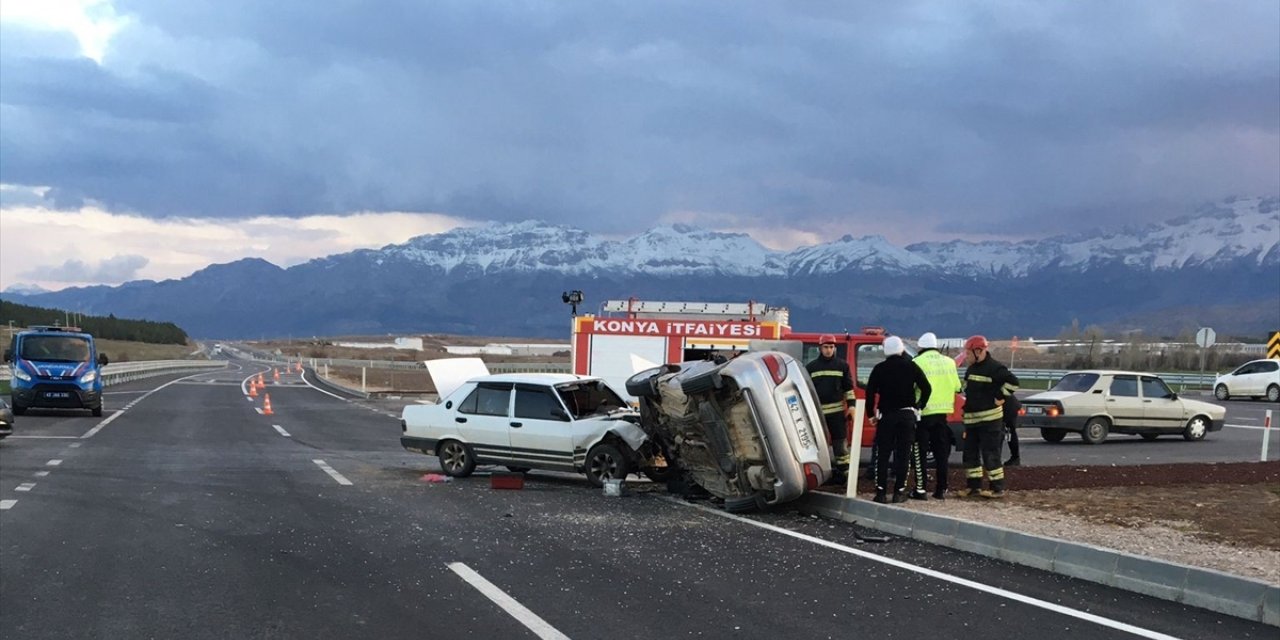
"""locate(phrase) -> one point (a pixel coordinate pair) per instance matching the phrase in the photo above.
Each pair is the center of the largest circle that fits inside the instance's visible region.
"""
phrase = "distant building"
(507, 349)
(414, 344)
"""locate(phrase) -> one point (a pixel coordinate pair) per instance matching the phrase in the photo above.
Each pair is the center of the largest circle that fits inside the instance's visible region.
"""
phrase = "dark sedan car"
(6, 419)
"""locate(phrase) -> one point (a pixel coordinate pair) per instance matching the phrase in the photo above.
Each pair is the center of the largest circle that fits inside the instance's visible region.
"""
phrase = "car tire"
(606, 462)
(1149, 436)
(1196, 429)
(745, 504)
(456, 459)
(702, 383)
(1095, 430)
(515, 469)
(1273, 393)
(641, 385)
(97, 411)
(1053, 435)
(18, 409)
(1220, 392)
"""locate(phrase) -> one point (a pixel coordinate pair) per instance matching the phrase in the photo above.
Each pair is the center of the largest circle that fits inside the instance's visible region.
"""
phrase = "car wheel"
(1273, 393)
(97, 411)
(1095, 430)
(18, 409)
(456, 459)
(1220, 392)
(1150, 436)
(1053, 435)
(744, 504)
(515, 469)
(1196, 429)
(606, 462)
(641, 385)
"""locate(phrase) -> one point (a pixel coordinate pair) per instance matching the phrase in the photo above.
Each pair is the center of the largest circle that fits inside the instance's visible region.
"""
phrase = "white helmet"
(893, 346)
(927, 341)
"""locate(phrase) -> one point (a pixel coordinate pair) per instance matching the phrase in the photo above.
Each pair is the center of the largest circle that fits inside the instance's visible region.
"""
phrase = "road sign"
(1273, 345)
(1205, 337)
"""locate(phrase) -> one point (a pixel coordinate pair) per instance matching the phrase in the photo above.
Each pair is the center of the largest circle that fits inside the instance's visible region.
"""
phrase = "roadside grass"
(123, 351)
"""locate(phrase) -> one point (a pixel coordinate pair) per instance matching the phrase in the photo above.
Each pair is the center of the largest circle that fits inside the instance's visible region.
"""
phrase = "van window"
(1125, 386)
(55, 348)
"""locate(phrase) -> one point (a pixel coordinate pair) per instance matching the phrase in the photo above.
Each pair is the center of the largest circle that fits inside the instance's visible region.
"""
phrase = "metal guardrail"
(126, 371)
(530, 367)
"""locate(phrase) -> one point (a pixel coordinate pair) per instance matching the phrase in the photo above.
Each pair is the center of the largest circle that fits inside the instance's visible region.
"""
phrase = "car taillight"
(812, 475)
(1022, 411)
(1053, 412)
(776, 368)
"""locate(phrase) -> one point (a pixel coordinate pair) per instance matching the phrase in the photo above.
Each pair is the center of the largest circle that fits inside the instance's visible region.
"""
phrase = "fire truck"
(633, 335)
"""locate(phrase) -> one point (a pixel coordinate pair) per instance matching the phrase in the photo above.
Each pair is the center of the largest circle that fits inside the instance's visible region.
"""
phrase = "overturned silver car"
(747, 430)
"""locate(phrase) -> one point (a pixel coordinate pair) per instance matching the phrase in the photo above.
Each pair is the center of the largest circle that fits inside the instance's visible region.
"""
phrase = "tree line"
(108, 328)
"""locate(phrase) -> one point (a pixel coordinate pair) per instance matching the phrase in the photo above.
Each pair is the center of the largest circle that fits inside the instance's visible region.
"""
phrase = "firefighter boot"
(996, 490)
(880, 496)
(899, 495)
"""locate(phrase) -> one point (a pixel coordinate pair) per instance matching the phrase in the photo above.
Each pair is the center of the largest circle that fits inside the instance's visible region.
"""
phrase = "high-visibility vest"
(943, 378)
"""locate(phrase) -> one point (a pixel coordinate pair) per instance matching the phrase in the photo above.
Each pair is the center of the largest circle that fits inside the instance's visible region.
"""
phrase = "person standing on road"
(988, 385)
(903, 391)
(1012, 407)
(933, 433)
(834, 384)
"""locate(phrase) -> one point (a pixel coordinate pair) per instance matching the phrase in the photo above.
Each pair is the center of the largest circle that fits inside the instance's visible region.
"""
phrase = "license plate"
(57, 394)
(1033, 411)
(797, 416)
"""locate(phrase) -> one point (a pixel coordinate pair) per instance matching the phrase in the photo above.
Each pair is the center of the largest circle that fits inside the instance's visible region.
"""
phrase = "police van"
(55, 368)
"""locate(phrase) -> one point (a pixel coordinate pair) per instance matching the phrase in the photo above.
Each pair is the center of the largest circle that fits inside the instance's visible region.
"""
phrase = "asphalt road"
(191, 515)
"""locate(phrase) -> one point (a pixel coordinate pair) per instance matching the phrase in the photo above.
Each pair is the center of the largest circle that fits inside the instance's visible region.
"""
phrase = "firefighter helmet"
(826, 339)
(975, 342)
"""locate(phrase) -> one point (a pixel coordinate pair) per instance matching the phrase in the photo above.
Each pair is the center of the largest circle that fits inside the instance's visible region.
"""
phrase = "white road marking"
(5, 505)
(74, 445)
(48, 437)
(304, 379)
(120, 393)
(281, 430)
(41, 474)
(516, 610)
(332, 473)
(90, 433)
(26, 486)
(53, 463)
(258, 409)
(1248, 426)
(1056, 608)
(248, 398)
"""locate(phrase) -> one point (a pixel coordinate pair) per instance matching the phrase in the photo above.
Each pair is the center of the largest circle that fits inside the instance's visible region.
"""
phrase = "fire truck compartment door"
(615, 358)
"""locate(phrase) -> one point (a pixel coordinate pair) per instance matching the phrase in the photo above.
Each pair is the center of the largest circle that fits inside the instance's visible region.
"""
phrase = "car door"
(1124, 404)
(1160, 406)
(1242, 380)
(1268, 374)
(541, 430)
(483, 420)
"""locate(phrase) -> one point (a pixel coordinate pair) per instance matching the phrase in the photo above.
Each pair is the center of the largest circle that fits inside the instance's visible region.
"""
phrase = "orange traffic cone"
(253, 390)
(275, 373)
(266, 405)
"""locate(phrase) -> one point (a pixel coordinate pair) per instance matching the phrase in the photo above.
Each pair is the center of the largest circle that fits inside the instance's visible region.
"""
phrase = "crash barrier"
(335, 386)
(126, 371)
(1213, 590)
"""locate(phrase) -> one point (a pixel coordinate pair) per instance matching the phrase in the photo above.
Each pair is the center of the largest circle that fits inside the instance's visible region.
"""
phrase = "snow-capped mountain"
(25, 289)
(1220, 264)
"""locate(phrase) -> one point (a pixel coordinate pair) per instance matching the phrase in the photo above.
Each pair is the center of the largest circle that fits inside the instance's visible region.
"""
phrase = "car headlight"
(89, 377)
(21, 375)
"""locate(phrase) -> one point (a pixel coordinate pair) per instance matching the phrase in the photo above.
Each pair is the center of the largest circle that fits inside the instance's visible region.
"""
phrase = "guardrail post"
(1266, 436)
(363, 371)
(851, 483)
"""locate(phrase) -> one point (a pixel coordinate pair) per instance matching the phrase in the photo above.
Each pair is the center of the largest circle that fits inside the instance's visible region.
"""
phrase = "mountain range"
(506, 279)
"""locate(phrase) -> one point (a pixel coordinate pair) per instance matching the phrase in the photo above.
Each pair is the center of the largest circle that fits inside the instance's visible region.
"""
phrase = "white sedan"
(548, 421)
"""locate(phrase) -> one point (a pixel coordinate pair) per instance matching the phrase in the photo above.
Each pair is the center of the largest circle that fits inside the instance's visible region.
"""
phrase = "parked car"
(6, 420)
(748, 430)
(1098, 403)
(548, 421)
(1257, 379)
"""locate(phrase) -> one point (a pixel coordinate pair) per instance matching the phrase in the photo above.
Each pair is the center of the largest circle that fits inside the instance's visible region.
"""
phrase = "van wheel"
(606, 462)
(1095, 430)
(1197, 427)
(1053, 435)
(18, 409)
(97, 411)
(456, 459)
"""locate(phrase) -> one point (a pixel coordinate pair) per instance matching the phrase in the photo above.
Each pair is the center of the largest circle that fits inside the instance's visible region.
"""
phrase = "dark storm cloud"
(981, 118)
(114, 269)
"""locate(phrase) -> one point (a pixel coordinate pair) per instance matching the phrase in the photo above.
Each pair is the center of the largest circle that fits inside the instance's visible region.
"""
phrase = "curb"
(325, 382)
(1205, 588)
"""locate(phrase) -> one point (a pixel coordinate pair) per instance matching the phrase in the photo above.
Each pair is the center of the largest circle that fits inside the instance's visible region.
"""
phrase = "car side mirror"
(1173, 395)
(8, 355)
(560, 414)
(103, 360)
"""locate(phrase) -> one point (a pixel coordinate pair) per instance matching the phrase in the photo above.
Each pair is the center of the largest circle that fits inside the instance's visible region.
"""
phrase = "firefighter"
(988, 385)
(1011, 408)
(933, 433)
(834, 385)
(903, 391)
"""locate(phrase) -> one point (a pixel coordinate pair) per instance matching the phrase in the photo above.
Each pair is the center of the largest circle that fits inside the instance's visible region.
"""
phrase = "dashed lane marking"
(6, 505)
(26, 486)
(75, 445)
(1056, 608)
(332, 473)
(53, 463)
(41, 474)
(281, 430)
(47, 437)
(499, 597)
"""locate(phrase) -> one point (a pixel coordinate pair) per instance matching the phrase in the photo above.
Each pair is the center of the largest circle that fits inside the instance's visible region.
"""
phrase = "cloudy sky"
(150, 138)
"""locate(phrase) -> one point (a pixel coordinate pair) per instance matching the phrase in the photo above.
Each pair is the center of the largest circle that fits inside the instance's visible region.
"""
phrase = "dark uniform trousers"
(984, 440)
(933, 434)
(895, 432)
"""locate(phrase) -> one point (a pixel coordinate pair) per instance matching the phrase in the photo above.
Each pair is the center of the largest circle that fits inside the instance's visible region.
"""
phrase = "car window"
(1244, 369)
(1076, 382)
(1267, 367)
(487, 401)
(536, 403)
(589, 397)
(1155, 388)
(1126, 386)
(869, 355)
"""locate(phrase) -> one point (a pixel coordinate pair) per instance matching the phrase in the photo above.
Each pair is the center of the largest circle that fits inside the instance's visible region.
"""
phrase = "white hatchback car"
(1257, 379)
(558, 422)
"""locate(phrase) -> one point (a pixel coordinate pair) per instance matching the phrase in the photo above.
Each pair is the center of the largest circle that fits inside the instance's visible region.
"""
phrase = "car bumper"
(57, 396)
(1216, 425)
(420, 445)
(1066, 423)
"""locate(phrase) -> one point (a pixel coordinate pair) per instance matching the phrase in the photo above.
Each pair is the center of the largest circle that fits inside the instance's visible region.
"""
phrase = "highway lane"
(191, 515)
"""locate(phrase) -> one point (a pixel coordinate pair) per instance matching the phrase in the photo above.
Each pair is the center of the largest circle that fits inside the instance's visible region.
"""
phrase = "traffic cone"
(253, 390)
(261, 383)
(266, 405)
(275, 373)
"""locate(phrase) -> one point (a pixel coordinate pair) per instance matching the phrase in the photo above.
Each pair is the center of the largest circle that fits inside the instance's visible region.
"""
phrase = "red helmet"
(975, 342)
(826, 339)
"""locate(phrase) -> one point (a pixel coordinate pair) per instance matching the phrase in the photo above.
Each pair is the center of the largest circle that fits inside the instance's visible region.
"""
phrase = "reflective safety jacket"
(984, 383)
(941, 372)
(833, 383)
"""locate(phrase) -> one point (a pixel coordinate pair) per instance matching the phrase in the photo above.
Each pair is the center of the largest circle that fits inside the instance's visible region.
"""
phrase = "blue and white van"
(55, 368)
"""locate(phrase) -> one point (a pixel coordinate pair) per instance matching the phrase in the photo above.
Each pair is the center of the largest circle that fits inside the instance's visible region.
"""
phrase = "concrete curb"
(1213, 590)
(334, 386)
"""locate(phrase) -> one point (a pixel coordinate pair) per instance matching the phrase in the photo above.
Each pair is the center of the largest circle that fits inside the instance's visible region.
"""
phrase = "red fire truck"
(632, 335)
